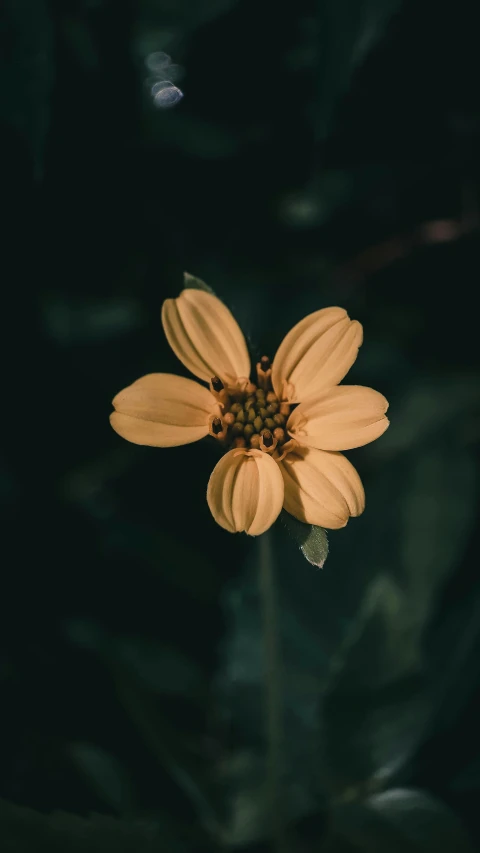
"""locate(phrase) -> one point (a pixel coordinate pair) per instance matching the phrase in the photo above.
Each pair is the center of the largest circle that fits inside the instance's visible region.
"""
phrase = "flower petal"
(344, 417)
(245, 491)
(316, 354)
(205, 337)
(163, 410)
(321, 487)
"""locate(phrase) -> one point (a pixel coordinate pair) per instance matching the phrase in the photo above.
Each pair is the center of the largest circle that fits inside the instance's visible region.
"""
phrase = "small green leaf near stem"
(311, 540)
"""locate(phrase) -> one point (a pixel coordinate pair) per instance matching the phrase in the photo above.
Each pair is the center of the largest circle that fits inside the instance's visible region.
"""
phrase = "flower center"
(252, 415)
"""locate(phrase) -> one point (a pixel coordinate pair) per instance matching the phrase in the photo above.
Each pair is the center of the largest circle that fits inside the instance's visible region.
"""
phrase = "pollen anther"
(217, 384)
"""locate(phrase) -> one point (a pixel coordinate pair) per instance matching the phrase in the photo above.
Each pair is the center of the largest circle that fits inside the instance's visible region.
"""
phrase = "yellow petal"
(162, 410)
(344, 417)
(245, 491)
(316, 354)
(205, 337)
(321, 487)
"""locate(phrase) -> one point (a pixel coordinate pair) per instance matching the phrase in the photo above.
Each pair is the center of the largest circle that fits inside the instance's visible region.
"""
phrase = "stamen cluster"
(253, 416)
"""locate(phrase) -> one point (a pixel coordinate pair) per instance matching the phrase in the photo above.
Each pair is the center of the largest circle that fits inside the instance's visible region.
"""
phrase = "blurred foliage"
(27, 72)
(322, 154)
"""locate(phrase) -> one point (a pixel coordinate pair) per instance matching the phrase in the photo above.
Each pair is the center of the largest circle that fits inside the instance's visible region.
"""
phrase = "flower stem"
(273, 703)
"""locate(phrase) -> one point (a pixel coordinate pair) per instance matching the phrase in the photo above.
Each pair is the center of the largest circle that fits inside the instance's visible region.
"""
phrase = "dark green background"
(324, 153)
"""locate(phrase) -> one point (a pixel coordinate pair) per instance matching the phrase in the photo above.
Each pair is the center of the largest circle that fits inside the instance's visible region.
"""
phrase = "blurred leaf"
(177, 753)
(106, 775)
(196, 283)
(437, 516)
(86, 634)
(81, 43)
(347, 31)
(402, 820)
(469, 777)
(170, 747)
(336, 844)
(194, 137)
(26, 72)
(311, 540)
(453, 647)
(427, 407)
(377, 704)
(60, 832)
(184, 12)
(161, 669)
(73, 322)
(241, 780)
(170, 556)
(317, 202)
(374, 709)
(463, 652)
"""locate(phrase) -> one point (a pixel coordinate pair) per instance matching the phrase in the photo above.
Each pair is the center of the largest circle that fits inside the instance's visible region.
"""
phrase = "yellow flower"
(281, 437)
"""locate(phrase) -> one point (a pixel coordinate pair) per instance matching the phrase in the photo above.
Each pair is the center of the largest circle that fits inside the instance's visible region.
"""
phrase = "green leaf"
(377, 672)
(60, 832)
(159, 668)
(192, 137)
(27, 69)
(80, 42)
(428, 407)
(311, 540)
(402, 559)
(191, 281)
(185, 15)
(438, 516)
(401, 820)
(105, 774)
(178, 757)
(341, 49)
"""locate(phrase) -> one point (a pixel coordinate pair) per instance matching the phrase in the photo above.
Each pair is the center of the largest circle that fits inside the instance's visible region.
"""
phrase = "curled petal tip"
(342, 418)
(316, 354)
(321, 488)
(162, 410)
(205, 336)
(245, 491)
